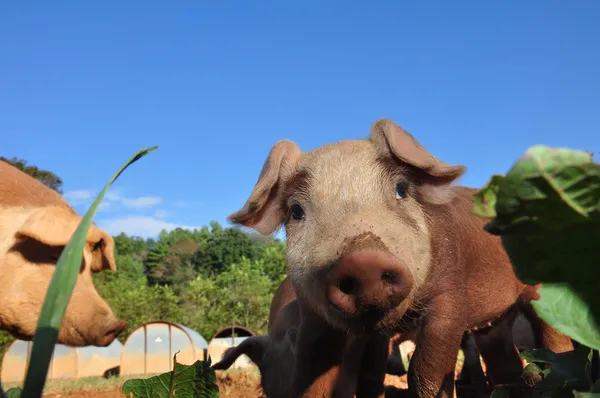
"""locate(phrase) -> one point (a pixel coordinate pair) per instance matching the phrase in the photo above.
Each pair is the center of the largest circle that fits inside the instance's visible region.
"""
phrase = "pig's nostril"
(389, 277)
(349, 285)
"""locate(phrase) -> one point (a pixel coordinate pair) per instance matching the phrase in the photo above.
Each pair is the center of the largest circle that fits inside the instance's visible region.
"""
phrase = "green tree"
(46, 177)
(241, 295)
(130, 245)
(224, 247)
(154, 260)
(131, 299)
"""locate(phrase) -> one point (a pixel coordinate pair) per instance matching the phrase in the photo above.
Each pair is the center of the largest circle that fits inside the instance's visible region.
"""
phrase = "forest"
(206, 279)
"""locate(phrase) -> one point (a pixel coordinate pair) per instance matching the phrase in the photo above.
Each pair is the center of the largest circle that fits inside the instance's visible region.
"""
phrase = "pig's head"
(31, 241)
(359, 240)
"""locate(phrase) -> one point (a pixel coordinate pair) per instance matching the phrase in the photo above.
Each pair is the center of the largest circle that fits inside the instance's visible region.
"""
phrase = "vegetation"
(206, 279)
(547, 212)
(196, 380)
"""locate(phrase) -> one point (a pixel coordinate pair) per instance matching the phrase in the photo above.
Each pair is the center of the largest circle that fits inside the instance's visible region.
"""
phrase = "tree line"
(206, 278)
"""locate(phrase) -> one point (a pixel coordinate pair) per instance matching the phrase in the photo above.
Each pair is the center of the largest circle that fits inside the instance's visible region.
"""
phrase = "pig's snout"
(111, 332)
(368, 283)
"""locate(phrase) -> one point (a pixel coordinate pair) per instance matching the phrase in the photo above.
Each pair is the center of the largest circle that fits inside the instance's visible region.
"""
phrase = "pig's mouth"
(367, 319)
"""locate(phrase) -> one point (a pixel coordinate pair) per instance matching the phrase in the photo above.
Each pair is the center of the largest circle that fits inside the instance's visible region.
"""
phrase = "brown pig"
(35, 225)
(378, 234)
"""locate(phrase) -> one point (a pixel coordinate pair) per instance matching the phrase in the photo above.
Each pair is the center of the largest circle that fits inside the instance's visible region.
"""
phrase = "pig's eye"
(401, 190)
(297, 212)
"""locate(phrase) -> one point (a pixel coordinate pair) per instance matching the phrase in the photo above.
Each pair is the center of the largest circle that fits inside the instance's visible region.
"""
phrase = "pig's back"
(18, 189)
(492, 285)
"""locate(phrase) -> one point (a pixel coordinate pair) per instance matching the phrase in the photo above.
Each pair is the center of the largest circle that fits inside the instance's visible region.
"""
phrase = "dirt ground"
(239, 385)
(245, 384)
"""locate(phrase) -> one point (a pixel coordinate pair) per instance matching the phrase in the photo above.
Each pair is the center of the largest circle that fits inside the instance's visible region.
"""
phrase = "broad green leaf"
(547, 212)
(569, 370)
(538, 355)
(577, 394)
(59, 292)
(184, 381)
(500, 392)
(14, 392)
(484, 204)
(562, 308)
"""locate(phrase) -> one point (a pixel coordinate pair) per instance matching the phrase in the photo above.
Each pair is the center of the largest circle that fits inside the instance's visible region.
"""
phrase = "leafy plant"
(547, 212)
(58, 296)
(186, 381)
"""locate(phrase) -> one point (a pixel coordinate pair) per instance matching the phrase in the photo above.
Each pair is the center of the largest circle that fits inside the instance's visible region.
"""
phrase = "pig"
(35, 225)
(378, 233)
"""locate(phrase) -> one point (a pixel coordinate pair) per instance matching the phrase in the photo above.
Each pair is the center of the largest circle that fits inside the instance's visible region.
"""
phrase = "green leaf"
(538, 355)
(569, 370)
(547, 212)
(500, 392)
(562, 308)
(14, 392)
(577, 394)
(59, 292)
(184, 381)
(484, 204)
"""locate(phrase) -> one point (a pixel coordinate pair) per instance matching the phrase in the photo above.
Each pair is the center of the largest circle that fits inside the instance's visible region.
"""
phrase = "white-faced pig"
(377, 234)
(35, 225)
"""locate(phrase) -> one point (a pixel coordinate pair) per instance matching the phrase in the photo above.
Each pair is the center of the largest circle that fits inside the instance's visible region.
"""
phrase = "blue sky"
(215, 84)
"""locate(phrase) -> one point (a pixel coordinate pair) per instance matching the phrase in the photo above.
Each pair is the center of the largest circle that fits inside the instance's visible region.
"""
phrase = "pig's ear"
(50, 225)
(102, 247)
(263, 210)
(55, 226)
(254, 347)
(388, 136)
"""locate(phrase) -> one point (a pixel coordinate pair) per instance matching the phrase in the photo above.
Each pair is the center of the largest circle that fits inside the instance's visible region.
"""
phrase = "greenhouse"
(149, 349)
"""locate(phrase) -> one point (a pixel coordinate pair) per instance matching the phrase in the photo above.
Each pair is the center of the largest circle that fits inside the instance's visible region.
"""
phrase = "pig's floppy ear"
(55, 226)
(262, 211)
(254, 347)
(388, 136)
(103, 250)
(50, 225)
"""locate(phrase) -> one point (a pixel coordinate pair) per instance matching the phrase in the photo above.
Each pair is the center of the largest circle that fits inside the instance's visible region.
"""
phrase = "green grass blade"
(59, 292)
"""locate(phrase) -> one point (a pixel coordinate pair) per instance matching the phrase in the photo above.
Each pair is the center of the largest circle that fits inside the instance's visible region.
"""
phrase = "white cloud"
(187, 203)
(78, 196)
(144, 226)
(160, 213)
(83, 197)
(141, 202)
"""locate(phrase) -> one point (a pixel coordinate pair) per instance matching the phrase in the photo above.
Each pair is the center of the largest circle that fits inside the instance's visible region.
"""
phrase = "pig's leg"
(502, 361)
(319, 351)
(472, 373)
(395, 366)
(371, 378)
(432, 366)
(545, 335)
(345, 386)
